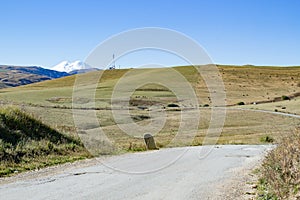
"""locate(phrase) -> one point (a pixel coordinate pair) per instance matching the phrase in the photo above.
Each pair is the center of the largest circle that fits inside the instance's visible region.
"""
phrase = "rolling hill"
(51, 101)
(12, 76)
(248, 84)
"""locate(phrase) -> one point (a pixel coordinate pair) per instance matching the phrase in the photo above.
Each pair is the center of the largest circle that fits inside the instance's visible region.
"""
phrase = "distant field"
(288, 106)
(51, 101)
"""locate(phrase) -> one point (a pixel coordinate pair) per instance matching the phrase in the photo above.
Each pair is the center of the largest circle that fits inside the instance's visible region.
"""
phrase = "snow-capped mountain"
(67, 66)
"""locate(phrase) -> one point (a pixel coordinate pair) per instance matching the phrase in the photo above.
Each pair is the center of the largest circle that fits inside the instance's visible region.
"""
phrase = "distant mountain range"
(12, 76)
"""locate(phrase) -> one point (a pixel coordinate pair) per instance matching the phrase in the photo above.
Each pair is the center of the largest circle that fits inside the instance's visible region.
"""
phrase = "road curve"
(175, 173)
(264, 111)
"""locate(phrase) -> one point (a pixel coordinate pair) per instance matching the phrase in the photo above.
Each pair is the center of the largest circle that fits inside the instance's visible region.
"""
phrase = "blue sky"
(259, 32)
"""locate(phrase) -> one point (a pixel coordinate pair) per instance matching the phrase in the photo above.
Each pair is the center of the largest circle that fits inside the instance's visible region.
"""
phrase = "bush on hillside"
(173, 105)
(285, 97)
(267, 139)
(241, 103)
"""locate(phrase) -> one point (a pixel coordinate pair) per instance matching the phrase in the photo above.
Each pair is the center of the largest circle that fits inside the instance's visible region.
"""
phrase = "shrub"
(136, 147)
(173, 105)
(205, 105)
(241, 103)
(285, 97)
(266, 139)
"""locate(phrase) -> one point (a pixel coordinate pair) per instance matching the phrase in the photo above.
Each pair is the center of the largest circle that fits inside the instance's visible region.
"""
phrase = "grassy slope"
(251, 84)
(40, 93)
(26, 143)
(247, 84)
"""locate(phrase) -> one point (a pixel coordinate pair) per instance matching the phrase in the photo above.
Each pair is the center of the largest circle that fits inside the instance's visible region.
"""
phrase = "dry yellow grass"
(280, 172)
(243, 84)
(247, 84)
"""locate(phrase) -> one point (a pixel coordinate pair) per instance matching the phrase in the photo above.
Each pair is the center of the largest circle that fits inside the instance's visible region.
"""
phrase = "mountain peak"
(66, 66)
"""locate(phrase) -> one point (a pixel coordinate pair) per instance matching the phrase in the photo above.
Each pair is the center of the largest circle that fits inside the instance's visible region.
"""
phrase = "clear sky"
(259, 32)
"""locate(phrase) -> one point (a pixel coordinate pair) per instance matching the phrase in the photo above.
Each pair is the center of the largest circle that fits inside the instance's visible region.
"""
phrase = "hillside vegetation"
(280, 172)
(26, 143)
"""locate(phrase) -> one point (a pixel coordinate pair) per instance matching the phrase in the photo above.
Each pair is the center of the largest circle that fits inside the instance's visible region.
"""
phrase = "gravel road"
(175, 173)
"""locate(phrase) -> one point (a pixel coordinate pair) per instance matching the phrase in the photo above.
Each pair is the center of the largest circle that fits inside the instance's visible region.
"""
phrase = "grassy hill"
(26, 143)
(51, 101)
(246, 84)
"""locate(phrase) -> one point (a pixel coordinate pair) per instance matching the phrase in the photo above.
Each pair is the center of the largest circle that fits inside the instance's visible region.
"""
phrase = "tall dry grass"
(280, 172)
(27, 143)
